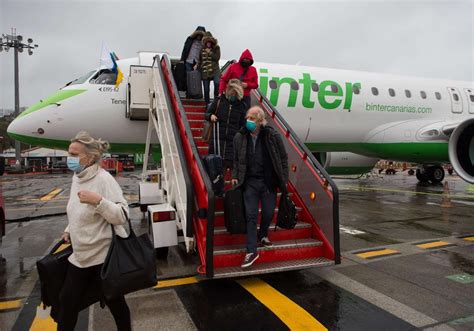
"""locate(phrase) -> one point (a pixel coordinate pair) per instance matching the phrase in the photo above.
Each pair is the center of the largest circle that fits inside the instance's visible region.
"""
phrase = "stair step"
(269, 267)
(300, 225)
(277, 245)
(221, 212)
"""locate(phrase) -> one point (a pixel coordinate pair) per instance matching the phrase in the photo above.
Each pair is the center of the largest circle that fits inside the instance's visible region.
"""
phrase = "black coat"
(231, 117)
(275, 148)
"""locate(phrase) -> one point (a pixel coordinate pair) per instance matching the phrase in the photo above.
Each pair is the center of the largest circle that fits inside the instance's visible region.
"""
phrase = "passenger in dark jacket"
(192, 49)
(230, 117)
(209, 65)
(245, 72)
(260, 167)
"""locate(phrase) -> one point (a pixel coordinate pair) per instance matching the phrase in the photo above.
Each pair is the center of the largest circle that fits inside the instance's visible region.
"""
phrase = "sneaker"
(266, 242)
(249, 259)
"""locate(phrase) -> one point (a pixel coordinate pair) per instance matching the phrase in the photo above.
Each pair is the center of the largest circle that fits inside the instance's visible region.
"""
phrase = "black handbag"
(286, 217)
(129, 266)
(52, 271)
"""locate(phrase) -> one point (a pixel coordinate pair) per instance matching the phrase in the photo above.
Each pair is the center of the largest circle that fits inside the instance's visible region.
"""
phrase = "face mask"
(245, 64)
(233, 98)
(73, 163)
(251, 125)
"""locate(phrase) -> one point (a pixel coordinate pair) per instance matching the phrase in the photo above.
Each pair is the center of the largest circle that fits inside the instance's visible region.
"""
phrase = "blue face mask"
(251, 125)
(73, 163)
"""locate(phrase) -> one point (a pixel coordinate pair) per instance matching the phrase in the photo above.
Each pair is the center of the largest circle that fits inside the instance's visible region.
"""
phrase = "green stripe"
(58, 96)
(409, 152)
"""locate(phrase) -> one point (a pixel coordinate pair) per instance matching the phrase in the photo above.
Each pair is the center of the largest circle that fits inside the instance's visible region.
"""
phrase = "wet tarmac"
(407, 263)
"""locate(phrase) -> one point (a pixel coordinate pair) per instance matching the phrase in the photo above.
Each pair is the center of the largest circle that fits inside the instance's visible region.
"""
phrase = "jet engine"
(345, 163)
(461, 150)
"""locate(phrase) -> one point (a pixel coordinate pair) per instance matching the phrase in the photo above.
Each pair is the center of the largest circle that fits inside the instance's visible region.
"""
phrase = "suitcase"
(234, 214)
(214, 166)
(286, 218)
(179, 74)
(194, 84)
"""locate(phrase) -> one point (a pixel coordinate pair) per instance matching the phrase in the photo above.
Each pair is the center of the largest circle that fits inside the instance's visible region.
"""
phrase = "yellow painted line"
(43, 321)
(382, 252)
(51, 194)
(295, 317)
(468, 238)
(176, 282)
(433, 244)
(13, 304)
(367, 188)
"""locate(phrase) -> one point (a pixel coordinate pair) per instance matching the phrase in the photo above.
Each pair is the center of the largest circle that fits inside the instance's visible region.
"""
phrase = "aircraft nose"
(20, 127)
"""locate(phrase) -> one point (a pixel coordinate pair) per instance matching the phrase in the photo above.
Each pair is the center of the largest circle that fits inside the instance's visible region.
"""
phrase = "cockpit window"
(82, 79)
(105, 76)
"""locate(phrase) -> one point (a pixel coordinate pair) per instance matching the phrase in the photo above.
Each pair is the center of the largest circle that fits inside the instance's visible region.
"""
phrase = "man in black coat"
(260, 167)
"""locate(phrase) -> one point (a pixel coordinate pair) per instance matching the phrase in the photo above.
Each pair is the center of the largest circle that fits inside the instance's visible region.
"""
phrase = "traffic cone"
(446, 202)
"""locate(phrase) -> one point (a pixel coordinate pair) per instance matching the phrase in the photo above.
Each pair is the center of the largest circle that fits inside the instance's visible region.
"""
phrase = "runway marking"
(51, 194)
(434, 244)
(176, 282)
(462, 278)
(377, 253)
(12, 304)
(350, 230)
(295, 317)
(43, 321)
(367, 188)
(469, 238)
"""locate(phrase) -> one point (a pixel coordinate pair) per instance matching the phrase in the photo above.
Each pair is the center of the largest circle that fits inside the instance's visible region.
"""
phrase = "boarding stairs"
(313, 242)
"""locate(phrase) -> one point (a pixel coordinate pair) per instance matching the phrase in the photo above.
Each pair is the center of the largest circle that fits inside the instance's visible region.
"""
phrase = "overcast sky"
(424, 38)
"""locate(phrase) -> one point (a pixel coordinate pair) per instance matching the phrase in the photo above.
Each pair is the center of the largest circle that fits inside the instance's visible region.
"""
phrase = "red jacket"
(236, 70)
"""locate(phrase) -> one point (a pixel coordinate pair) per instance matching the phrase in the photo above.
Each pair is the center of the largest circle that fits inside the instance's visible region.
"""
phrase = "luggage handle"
(216, 141)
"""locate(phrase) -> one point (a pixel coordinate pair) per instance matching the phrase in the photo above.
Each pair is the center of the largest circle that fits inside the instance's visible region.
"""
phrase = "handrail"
(193, 158)
(179, 147)
(309, 158)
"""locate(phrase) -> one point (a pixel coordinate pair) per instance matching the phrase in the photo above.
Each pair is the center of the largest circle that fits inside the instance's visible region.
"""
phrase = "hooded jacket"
(189, 41)
(209, 61)
(236, 70)
(231, 117)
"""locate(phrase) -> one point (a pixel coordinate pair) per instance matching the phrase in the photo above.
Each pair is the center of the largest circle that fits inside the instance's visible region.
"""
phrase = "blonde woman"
(96, 201)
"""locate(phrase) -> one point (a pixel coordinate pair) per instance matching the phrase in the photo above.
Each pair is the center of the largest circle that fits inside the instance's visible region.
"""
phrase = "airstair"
(179, 122)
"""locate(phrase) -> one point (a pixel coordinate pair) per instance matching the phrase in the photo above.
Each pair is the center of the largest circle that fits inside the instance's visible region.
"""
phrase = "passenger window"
(295, 86)
(455, 97)
(423, 94)
(315, 87)
(334, 88)
(375, 91)
(104, 77)
(273, 84)
(408, 93)
(391, 91)
(438, 95)
(356, 89)
(471, 97)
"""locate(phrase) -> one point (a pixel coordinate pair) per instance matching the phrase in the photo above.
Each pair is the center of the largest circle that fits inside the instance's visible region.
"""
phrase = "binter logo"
(327, 93)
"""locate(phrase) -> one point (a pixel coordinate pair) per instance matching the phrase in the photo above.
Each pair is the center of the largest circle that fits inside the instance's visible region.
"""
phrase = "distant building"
(39, 157)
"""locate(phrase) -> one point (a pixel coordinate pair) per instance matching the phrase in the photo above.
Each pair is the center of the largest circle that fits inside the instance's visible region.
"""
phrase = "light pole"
(15, 41)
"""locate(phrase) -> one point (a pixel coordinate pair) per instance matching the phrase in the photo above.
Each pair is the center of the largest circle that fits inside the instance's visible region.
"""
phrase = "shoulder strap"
(244, 73)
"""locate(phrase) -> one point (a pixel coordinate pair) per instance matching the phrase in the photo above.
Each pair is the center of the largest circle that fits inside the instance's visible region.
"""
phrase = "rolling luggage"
(214, 166)
(194, 84)
(179, 74)
(234, 213)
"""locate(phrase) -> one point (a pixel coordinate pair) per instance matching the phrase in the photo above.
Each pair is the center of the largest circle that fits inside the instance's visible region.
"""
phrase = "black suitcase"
(234, 212)
(214, 166)
(286, 217)
(179, 74)
(194, 84)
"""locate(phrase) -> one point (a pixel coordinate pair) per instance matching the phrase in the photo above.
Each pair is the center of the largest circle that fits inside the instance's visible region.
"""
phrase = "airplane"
(348, 119)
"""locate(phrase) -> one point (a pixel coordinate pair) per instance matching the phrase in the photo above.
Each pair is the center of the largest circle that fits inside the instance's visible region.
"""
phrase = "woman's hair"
(260, 114)
(236, 86)
(94, 147)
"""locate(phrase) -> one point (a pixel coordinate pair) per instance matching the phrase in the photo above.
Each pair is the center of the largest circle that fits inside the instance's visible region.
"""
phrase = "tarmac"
(407, 264)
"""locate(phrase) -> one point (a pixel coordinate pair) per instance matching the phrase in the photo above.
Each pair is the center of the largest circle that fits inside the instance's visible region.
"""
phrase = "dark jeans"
(206, 83)
(256, 191)
(188, 66)
(246, 102)
(75, 284)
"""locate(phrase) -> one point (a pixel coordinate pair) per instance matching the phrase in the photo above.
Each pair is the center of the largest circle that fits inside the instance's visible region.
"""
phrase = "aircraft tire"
(411, 172)
(422, 176)
(435, 174)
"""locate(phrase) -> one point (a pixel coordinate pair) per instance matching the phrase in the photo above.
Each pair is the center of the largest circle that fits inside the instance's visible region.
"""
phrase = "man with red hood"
(243, 71)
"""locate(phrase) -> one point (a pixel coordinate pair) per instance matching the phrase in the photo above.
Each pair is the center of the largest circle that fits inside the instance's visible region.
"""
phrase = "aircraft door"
(470, 100)
(456, 101)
